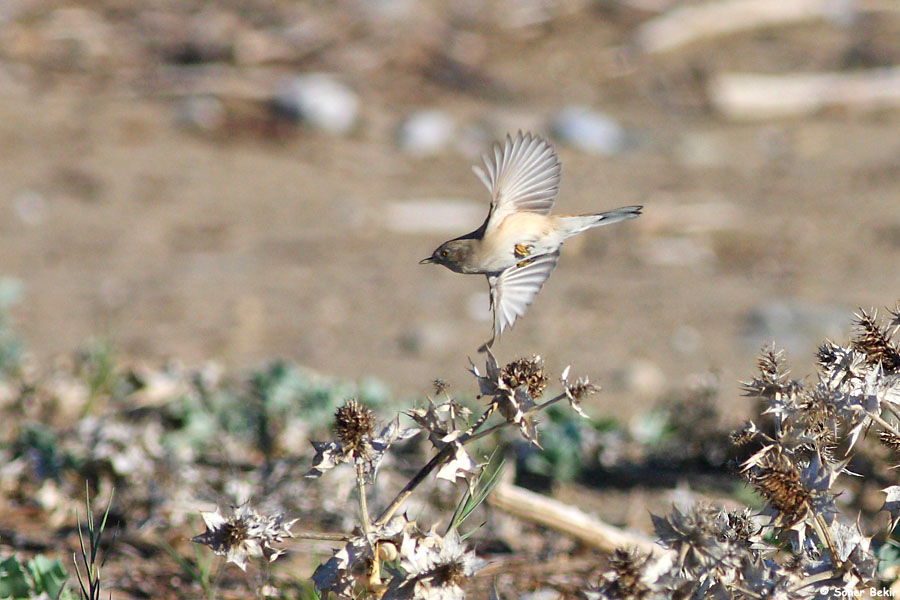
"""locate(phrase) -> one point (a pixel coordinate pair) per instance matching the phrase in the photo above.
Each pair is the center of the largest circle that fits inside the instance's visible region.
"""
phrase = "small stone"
(30, 207)
(686, 339)
(320, 101)
(589, 131)
(201, 113)
(644, 379)
(425, 133)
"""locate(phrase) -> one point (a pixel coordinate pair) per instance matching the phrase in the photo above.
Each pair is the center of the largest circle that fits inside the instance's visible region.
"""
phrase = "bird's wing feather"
(514, 289)
(522, 175)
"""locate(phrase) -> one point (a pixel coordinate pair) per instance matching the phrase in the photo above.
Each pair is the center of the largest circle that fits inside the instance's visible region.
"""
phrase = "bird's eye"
(445, 253)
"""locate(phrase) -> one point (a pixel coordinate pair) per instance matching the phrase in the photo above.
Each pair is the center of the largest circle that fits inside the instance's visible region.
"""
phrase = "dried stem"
(447, 451)
(315, 535)
(825, 536)
(888, 426)
(413, 483)
(363, 507)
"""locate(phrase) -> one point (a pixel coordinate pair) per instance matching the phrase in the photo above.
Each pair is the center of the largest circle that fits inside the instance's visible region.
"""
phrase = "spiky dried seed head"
(744, 435)
(452, 573)
(874, 341)
(234, 532)
(773, 375)
(440, 386)
(827, 354)
(740, 527)
(889, 439)
(528, 372)
(777, 480)
(627, 566)
(354, 425)
(582, 388)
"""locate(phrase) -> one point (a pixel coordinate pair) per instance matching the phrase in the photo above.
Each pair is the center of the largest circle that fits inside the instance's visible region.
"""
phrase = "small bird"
(517, 246)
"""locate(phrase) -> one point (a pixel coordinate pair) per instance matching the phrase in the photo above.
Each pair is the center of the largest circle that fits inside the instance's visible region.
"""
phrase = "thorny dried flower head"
(356, 443)
(889, 439)
(773, 375)
(698, 538)
(436, 567)
(777, 479)
(345, 573)
(354, 425)
(515, 404)
(581, 388)
(874, 341)
(527, 372)
(440, 386)
(744, 435)
(244, 534)
(626, 577)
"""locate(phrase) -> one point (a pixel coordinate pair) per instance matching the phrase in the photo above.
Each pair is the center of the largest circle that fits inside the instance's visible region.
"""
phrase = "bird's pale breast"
(532, 231)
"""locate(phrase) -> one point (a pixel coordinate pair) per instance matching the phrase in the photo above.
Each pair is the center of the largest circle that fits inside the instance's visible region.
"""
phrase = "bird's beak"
(426, 261)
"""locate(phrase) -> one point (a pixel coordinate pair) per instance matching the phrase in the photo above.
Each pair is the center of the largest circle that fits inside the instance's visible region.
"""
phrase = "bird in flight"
(517, 246)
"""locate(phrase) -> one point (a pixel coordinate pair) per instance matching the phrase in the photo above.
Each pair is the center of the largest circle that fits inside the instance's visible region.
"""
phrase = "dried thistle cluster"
(390, 556)
(800, 546)
(244, 534)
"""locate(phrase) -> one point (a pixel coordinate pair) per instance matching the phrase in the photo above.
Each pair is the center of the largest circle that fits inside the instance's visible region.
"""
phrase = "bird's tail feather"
(576, 224)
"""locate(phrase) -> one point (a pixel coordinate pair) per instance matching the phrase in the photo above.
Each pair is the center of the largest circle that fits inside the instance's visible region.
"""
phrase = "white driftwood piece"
(567, 519)
(686, 24)
(750, 96)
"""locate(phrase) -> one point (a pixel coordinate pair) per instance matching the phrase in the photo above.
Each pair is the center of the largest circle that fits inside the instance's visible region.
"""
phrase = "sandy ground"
(123, 226)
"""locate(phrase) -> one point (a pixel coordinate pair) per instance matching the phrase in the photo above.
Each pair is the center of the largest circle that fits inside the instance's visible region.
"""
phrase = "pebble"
(320, 101)
(30, 207)
(425, 133)
(686, 339)
(200, 113)
(643, 378)
(590, 131)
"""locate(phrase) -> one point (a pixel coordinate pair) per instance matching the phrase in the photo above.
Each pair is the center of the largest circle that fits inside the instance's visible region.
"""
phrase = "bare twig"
(689, 23)
(567, 519)
(754, 96)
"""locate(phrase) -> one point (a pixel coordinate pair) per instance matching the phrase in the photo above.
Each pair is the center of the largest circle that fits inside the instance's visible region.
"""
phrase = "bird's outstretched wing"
(522, 175)
(514, 289)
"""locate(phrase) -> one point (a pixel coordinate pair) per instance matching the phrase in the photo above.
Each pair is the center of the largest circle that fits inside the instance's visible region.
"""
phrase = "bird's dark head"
(453, 254)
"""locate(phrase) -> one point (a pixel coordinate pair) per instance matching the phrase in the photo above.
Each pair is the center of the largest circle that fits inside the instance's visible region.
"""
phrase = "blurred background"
(238, 181)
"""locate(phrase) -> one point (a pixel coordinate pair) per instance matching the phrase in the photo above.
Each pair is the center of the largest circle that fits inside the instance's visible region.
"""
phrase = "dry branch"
(687, 24)
(567, 519)
(754, 96)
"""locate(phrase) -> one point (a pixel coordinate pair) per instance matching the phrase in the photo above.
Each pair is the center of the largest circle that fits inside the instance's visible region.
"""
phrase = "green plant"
(90, 582)
(40, 575)
(10, 343)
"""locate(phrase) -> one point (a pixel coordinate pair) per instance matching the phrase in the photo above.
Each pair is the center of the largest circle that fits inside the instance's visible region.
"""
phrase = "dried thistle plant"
(800, 545)
(244, 534)
(390, 556)
(874, 341)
